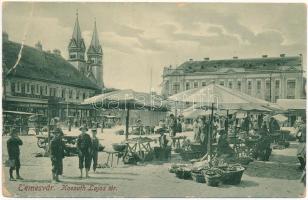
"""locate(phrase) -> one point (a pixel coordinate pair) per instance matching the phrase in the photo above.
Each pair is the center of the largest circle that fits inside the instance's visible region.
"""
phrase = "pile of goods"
(190, 150)
(141, 140)
(219, 173)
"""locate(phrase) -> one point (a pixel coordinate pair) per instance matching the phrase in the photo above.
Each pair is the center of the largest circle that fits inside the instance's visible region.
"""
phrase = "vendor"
(223, 148)
(263, 148)
(203, 132)
(196, 130)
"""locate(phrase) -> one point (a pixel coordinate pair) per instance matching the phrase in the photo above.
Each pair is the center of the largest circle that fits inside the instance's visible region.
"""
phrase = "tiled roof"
(44, 66)
(275, 63)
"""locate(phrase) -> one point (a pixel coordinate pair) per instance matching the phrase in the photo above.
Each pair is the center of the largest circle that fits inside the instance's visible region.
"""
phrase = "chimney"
(57, 52)
(39, 46)
(264, 56)
(235, 57)
(190, 59)
(5, 36)
(206, 58)
(282, 55)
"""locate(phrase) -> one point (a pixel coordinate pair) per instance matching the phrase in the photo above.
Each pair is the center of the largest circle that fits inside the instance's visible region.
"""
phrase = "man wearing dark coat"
(84, 146)
(56, 154)
(95, 149)
(13, 144)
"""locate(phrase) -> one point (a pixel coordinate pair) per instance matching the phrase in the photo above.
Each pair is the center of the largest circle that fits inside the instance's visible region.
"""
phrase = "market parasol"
(280, 117)
(128, 100)
(222, 98)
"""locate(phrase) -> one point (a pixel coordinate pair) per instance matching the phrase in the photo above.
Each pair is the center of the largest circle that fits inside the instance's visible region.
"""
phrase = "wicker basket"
(183, 173)
(198, 177)
(233, 177)
(213, 180)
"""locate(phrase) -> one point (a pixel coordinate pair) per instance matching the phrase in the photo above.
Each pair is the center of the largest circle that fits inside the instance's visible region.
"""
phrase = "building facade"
(41, 80)
(92, 67)
(266, 78)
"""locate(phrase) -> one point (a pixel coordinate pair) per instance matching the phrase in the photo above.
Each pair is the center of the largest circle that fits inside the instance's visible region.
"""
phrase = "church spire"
(95, 46)
(77, 33)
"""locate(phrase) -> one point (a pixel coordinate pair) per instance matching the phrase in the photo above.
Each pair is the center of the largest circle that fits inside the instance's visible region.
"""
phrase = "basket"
(183, 173)
(198, 177)
(188, 155)
(119, 147)
(212, 180)
(233, 177)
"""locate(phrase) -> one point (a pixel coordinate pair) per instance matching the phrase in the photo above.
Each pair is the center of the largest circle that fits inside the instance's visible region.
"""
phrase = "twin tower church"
(92, 66)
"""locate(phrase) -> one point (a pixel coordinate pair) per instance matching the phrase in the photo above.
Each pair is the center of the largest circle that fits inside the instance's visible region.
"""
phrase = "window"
(13, 87)
(23, 88)
(84, 95)
(63, 93)
(258, 86)
(277, 84)
(222, 83)
(203, 83)
(28, 87)
(249, 86)
(239, 85)
(230, 84)
(196, 85)
(32, 89)
(72, 56)
(41, 90)
(77, 95)
(70, 94)
(267, 90)
(176, 88)
(277, 89)
(187, 86)
(38, 89)
(291, 84)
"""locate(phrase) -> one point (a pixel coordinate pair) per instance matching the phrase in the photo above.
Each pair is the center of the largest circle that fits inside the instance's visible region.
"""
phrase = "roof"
(43, 66)
(292, 104)
(249, 64)
(95, 46)
(77, 40)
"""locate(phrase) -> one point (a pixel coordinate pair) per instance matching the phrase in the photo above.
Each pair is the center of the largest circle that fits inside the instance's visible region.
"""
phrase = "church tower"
(95, 58)
(76, 48)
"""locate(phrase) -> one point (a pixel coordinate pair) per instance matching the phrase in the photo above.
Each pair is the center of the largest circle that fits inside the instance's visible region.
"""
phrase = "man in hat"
(13, 144)
(57, 154)
(95, 149)
(84, 146)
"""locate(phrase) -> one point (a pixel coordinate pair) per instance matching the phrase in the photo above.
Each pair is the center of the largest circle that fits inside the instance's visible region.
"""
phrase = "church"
(92, 67)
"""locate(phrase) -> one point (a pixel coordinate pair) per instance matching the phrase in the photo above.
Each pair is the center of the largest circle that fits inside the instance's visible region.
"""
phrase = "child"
(84, 145)
(13, 144)
(95, 148)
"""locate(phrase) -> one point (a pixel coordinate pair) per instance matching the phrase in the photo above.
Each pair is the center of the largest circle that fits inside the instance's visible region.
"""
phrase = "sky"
(140, 39)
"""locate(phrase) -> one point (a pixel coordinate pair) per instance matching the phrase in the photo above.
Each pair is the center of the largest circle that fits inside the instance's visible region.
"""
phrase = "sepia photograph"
(153, 99)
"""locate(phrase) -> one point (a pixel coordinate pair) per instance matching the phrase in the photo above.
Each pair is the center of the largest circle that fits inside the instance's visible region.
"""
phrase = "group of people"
(87, 148)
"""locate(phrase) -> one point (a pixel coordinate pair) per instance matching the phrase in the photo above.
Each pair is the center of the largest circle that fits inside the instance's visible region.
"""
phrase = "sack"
(11, 163)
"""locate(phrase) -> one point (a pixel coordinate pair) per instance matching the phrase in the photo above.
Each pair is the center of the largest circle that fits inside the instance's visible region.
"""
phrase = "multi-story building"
(35, 79)
(268, 78)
